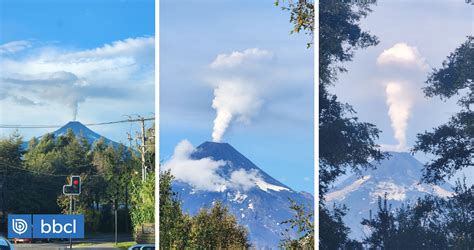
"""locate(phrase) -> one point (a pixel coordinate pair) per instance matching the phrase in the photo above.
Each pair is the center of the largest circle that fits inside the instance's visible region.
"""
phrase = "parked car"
(22, 240)
(6, 245)
(142, 247)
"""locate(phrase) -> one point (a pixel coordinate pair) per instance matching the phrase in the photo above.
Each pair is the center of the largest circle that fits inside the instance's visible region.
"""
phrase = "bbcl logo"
(45, 226)
(19, 226)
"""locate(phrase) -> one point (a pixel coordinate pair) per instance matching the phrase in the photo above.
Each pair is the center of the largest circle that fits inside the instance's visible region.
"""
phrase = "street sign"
(41, 226)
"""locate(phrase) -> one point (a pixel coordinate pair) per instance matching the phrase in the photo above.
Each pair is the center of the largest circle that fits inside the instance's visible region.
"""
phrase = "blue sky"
(56, 55)
(277, 134)
(76, 23)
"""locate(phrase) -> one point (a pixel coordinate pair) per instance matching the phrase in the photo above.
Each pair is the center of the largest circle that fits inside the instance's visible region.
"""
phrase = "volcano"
(398, 176)
(261, 208)
(79, 129)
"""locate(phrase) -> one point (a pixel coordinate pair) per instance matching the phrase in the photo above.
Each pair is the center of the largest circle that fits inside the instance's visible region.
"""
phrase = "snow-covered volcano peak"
(235, 162)
(398, 177)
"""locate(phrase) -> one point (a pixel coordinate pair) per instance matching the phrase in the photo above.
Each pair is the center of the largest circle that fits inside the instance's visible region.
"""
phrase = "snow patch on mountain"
(267, 186)
(341, 194)
(389, 188)
(239, 197)
(442, 192)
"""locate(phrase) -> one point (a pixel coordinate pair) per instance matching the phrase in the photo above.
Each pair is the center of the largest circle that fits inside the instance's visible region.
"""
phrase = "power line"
(30, 171)
(86, 124)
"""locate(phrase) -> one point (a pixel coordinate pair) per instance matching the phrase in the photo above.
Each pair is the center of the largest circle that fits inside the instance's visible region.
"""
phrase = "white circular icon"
(19, 226)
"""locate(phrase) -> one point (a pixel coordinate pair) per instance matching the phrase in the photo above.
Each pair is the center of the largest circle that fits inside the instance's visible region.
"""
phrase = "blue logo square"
(19, 226)
(58, 226)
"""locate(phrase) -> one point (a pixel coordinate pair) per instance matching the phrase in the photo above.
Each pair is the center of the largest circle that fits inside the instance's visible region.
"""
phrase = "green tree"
(430, 223)
(11, 164)
(460, 216)
(303, 222)
(212, 228)
(142, 200)
(382, 226)
(333, 234)
(451, 143)
(32, 196)
(175, 227)
(215, 228)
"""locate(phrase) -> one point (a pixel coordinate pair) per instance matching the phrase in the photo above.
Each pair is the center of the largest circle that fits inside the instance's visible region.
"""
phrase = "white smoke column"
(400, 103)
(233, 100)
(402, 63)
(235, 88)
(74, 111)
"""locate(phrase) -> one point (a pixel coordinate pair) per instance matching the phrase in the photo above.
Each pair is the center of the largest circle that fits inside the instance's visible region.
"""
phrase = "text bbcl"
(58, 226)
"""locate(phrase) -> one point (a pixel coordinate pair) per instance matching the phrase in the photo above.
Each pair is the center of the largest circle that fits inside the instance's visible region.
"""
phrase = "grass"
(121, 245)
(126, 245)
(83, 245)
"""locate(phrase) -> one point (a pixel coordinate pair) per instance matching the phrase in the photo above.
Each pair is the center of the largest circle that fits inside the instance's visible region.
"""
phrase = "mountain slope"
(79, 129)
(397, 176)
(261, 208)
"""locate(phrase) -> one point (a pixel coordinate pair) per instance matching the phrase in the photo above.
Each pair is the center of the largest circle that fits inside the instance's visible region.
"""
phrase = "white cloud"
(243, 179)
(401, 54)
(14, 47)
(52, 75)
(238, 58)
(202, 174)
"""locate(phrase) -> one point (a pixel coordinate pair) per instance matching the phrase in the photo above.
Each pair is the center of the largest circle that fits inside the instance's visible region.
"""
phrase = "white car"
(142, 247)
(6, 245)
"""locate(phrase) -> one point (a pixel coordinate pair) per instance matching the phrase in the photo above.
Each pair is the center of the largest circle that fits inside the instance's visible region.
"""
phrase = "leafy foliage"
(143, 200)
(431, 223)
(451, 143)
(216, 228)
(175, 227)
(212, 228)
(301, 16)
(333, 234)
(340, 35)
(303, 222)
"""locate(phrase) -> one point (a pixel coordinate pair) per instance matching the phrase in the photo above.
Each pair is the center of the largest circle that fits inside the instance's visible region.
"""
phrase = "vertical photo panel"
(236, 126)
(77, 118)
(396, 124)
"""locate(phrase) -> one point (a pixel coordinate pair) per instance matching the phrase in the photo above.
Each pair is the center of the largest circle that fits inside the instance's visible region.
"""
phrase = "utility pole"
(143, 148)
(115, 219)
(141, 139)
(70, 212)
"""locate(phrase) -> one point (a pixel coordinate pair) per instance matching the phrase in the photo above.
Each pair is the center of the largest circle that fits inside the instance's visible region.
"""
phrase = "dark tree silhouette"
(452, 143)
